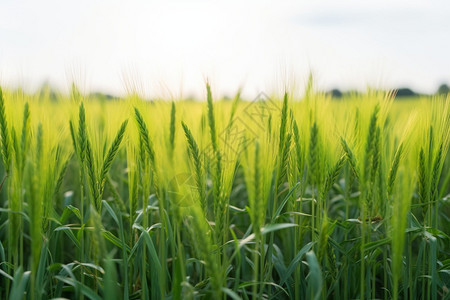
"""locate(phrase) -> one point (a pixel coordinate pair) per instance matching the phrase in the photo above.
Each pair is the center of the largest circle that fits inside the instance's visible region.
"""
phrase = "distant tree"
(335, 93)
(443, 89)
(102, 96)
(405, 92)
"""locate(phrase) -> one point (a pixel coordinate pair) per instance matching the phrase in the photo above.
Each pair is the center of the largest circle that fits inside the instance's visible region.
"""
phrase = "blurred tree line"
(403, 92)
(46, 91)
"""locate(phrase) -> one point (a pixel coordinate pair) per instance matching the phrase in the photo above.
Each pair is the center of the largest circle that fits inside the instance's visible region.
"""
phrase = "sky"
(170, 48)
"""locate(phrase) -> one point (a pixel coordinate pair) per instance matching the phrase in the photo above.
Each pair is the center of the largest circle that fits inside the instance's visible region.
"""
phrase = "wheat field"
(275, 198)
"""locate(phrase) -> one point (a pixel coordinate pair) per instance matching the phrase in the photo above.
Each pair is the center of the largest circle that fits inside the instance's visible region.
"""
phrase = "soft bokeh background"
(169, 48)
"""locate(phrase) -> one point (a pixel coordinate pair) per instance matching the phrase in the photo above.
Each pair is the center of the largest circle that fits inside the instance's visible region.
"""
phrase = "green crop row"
(288, 198)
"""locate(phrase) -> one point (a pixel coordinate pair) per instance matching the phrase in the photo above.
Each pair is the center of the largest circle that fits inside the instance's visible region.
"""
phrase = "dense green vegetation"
(274, 198)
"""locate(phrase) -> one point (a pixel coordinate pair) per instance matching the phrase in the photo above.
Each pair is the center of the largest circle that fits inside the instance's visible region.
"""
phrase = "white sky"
(170, 47)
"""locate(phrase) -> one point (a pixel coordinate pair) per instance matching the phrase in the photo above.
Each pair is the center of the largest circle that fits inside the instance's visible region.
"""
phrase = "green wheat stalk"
(172, 126)
(198, 165)
(5, 141)
(112, 153)
(394, 170)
